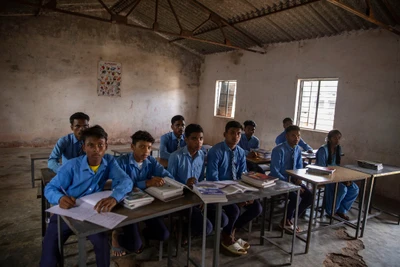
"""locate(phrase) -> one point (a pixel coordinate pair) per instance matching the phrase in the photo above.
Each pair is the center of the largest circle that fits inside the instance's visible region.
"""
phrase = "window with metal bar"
(225, 99)
(316, 103)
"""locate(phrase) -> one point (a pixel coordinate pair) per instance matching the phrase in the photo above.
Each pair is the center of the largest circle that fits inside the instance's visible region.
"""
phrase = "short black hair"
(287, 120)
(249, 123)
(142, 136)
(292, 128)
(96, 131)
(193, 128)
(233, 124)
(78, 116)
(177, 118)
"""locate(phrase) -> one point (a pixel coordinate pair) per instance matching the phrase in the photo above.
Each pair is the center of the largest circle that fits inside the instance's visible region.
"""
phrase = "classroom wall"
(49, 71)
(367, 64)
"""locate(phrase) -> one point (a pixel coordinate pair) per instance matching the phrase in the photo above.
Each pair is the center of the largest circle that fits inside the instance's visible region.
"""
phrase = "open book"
(137, 198)
(209, 193)
(169, 191)
(318, 170)
(84, 211)
(239, 187)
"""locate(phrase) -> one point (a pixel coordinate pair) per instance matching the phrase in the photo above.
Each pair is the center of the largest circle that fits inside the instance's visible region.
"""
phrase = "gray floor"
(20, 232)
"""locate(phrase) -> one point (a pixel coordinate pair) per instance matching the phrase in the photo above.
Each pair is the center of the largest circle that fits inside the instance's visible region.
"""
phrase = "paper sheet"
(80, 212)
(106, 219)
(96, 197)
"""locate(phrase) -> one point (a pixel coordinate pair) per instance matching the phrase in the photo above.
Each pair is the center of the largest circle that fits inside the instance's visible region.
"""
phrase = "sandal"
(235, 248)
(343, 216)
(243, 244)
(118, 251)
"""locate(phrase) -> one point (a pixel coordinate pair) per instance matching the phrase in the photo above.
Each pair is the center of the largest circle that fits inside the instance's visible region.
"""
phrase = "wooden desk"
(340, 175)
(153, 210)
(281, 187)
(47, 175)
(386, 171)
(258, 160)
(123, 151)
(37, 156)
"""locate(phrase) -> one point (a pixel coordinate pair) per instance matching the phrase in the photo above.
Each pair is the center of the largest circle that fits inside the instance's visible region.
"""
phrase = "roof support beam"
(363, 16)
(105, 7)
(390, 8)
(133, 7)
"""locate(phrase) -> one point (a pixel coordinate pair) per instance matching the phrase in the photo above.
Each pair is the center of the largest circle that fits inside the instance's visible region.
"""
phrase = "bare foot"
(116, 249)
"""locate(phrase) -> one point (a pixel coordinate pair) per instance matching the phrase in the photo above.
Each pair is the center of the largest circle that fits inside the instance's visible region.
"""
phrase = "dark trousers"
(51, 255)
(305, 201)
(155, 230)
(254, 167)
(197, 220)
(237, 220)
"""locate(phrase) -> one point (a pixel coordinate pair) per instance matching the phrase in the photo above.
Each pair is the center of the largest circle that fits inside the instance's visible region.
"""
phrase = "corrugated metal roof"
(251, 22)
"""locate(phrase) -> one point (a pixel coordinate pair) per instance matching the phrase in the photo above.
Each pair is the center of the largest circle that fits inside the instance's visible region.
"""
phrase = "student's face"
(95, 149)
(293, 138)
(287, 124)
(335, 140)
(78, 126)
(249, 130)
(194, 142)
(232, 137)
(141, 150)
(178, 127)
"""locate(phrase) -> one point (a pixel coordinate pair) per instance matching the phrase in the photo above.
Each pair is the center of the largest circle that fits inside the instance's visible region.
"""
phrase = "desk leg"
(284, 214)
(217, 234)
(333, 211)
(169, 264)
(204, 238)
(60, 241)
(82, 251)
(189, 236)
(262, 230)
(310, 222)
(33, 173)
(42, 200)
(367, 205)
(364, 185)
(296, 215)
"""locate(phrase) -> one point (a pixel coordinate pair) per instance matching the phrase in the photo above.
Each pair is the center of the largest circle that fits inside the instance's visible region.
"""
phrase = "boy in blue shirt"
(287, 156)
(248, 142)
(174, 140)
(69, 146)
(82, 176)
(227, 161)
(145, 171)
(282, 137)
(187, 166)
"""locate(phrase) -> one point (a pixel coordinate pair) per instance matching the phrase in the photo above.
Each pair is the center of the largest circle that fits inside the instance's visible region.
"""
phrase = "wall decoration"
(109, 79)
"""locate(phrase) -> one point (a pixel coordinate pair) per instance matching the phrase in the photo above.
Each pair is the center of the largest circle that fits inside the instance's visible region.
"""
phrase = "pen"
(63, 190)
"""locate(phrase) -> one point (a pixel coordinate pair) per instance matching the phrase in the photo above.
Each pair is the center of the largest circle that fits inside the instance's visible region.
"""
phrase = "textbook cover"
(137, 195)
(320, 170)
(261, 177)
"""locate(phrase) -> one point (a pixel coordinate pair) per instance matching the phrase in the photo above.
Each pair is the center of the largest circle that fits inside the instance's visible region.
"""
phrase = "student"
(145, 171)
(287, 156)
(282, 137)
(174, 140)
(227, 161)
(187, 166)
(247, 140)
(330, 155)
(69, 146)
(82, 176)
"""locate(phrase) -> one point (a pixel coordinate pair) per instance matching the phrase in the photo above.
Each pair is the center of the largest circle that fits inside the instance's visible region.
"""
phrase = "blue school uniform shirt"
(182, 166)
(79, 180)
(246, 144)
(150, 167)
(283, 158)
(169, 144)
(219, 162)
(67, 147)
(322, 157)
(282, 138)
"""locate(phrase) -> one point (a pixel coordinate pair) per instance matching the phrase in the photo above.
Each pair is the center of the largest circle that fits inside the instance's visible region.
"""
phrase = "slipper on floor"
(289, 229)
(235, 248)
(243, 244)
(343, 216)
(120, 250)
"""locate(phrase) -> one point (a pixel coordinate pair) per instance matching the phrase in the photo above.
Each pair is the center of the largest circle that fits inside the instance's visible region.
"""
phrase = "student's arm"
(280, 138)
(242, 165)
(164, 154)
(173, 166)
(121, 182)
(299, 160)
(201, 178)
(257, 144)
(64, 178)
(276, 162)
(321, 157)
(304, 145)
(212, 165)
(55, 156)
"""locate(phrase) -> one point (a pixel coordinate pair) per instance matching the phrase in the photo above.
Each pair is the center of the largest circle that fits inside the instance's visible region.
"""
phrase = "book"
(262, 153)
(258, 179)
(137, 204)
(169, 191)
(209, 193)
(137, 196)
(370, 165)
(238, 188)
(314, 169)
(84, 211)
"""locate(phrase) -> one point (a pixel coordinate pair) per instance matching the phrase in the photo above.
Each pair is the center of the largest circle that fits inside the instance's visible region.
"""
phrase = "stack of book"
(370, 165)
(262, 153)
(209, 193)
(318, 170)
(137, 198)
(258, 179)
(169, 191)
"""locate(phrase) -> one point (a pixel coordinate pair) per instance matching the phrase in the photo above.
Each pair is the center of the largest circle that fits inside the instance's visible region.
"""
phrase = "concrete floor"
(20, 232)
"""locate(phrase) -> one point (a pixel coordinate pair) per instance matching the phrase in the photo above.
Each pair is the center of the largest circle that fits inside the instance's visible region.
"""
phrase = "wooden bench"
(37, 156)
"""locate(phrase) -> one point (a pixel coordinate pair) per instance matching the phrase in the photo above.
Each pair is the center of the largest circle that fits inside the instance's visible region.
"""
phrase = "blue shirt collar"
(175, 138)
(227, 148)
(288, 146)
(85, 164)
(74, 139)
(185, 151)
(133, 162)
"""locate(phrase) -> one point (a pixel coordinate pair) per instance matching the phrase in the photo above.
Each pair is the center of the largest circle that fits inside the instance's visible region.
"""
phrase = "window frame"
(218, 84)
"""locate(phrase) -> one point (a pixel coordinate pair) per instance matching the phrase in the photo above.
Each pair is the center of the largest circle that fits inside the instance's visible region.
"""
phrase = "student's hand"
(252, 154)
(310, 151)
(155, 181)
(191, 181)
(106, 204)
(67, 202)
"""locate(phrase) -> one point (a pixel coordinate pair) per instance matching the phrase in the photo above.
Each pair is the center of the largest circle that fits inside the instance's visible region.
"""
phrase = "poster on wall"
(109, 79)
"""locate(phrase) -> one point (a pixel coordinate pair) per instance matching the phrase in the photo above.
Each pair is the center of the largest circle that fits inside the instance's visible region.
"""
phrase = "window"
(225, 99)
(316, 103)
